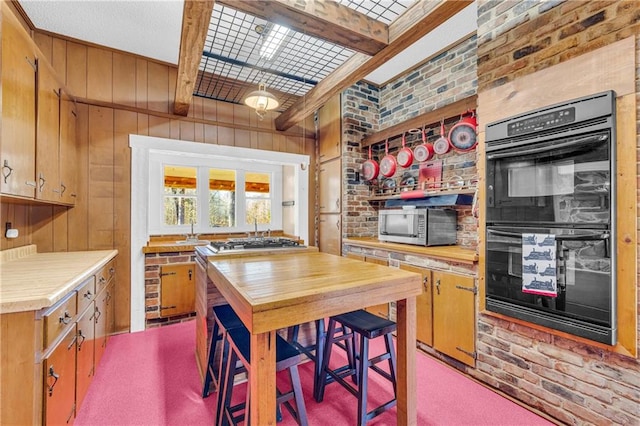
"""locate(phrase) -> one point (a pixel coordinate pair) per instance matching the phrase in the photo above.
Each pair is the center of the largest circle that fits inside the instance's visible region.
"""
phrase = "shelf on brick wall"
(428, 198)
(428, 118)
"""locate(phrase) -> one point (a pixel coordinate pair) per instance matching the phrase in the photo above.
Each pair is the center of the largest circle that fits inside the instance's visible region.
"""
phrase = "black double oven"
(550, 214)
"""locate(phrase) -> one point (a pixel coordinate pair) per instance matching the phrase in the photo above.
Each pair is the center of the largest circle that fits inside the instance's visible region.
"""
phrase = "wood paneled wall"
(120, 94)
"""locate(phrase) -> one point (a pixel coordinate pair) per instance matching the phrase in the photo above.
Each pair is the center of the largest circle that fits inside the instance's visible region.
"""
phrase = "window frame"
(157, 162)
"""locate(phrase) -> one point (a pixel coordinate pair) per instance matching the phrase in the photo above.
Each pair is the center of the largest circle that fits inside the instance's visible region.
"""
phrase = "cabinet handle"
(7, 173)
(66, 318)
(55, 376)
(190, 274)
(112, 271)
(338, 203)
(102, 280)
(64, 188)
(425, 283)
(41, 181)
(438, 286)
(88, 294)
(338, 224)
(80, 342)
(97, 315)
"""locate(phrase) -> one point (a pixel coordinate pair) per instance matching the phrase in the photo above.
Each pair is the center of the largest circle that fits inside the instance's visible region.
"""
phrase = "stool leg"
(325, 360)
(320, 342)
(363, 366)
(208, 378)
(301, 410)
(392, 361)
(225, 385)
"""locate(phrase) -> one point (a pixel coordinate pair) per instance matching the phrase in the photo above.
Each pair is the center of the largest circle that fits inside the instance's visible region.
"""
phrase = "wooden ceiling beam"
(326, 20)
(196, 16)
(417, 21)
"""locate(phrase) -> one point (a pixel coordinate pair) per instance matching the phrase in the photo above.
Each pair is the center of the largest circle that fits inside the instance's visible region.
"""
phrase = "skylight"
(274, 39)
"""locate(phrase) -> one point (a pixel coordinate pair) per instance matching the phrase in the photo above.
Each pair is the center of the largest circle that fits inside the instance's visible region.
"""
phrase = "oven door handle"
(573, 142)
(594, 236)
(506, 233)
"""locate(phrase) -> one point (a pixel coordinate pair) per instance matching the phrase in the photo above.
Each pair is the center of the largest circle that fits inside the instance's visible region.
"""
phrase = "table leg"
(406, 371)
(263, 379)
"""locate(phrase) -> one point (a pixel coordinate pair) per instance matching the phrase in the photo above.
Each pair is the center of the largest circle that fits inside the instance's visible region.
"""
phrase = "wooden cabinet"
(330, 129)
(329, 233)
(68, 150)
(85, 331)
(177, 289)
(47, 141)
(18, 139)
(59, 381)
(454, 315)
(103, 320)
(424, 306)
(381, 310)
(330, 186)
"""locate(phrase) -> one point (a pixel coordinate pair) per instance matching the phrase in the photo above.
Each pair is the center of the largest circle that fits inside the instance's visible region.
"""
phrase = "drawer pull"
(102, 280)
(80, 342)
(55, 376)
(112, 270)
(66, 319)
(88, 294)
(97, 315)
(438, 286)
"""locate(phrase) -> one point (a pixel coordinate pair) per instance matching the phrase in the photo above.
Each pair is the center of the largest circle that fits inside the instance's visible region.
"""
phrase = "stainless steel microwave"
(418, 226)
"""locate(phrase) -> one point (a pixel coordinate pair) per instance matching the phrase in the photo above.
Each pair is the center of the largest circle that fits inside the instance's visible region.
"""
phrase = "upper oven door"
(559, 182)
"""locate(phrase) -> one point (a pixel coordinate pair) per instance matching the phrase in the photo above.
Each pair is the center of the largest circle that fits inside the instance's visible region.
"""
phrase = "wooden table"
(278, 291)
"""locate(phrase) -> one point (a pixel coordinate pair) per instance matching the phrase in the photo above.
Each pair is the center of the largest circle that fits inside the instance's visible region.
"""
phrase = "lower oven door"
(556, 277)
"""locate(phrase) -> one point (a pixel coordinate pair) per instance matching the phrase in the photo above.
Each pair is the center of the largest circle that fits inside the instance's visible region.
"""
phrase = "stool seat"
(286, 353)
(366, 323)
(227, 316)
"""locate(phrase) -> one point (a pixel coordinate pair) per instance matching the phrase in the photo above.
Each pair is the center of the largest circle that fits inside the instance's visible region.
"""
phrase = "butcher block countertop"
(452, 253)
(32, 280)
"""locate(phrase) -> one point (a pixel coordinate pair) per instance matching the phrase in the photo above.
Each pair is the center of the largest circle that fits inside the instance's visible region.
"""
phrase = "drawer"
(86, 294)
(104, 275)
(58, 317)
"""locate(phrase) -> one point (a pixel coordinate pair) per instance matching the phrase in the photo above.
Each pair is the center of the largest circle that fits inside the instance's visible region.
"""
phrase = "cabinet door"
(202, 333)
(330, 129)
(47, 146)
(454, 316)
(330, 186)
(100, 321)
(177, 289)
(424, 307)
(381, 310)
(18, 141)
(85, 353)
(329, 234)
(68, 150)
(60, 381)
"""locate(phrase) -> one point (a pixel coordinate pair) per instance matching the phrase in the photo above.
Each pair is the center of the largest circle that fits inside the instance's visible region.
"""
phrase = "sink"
(192, 242)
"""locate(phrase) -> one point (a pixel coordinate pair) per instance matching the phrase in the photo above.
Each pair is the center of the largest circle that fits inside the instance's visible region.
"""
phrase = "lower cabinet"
(85, 352)
(381, 310)
(424, 306)
(454, 315)
(60, 381)
(329, 233)
(177, 289)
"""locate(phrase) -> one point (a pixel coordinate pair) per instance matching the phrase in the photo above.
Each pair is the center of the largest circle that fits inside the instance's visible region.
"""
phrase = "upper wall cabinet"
(47, 142)
(329, 129)
(68, 149)
(17, 149)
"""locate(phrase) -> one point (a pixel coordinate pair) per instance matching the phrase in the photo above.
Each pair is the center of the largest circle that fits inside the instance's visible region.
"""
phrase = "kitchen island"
(281, 290)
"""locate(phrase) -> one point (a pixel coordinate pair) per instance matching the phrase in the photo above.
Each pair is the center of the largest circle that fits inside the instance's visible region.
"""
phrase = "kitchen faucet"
(191, 237)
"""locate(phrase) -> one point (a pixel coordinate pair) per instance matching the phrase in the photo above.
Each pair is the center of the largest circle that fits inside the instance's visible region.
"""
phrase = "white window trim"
(203, 163)
(143, 148)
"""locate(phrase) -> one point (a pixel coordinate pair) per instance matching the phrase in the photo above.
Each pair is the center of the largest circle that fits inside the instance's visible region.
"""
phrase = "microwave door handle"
(573, 142)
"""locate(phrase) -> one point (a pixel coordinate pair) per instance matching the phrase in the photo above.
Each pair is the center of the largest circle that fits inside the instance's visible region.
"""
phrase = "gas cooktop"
(253, 243)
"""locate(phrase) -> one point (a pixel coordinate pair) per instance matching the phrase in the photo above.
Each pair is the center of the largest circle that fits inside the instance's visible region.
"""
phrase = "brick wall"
(574, 382)
(153, 263)
(446, 78)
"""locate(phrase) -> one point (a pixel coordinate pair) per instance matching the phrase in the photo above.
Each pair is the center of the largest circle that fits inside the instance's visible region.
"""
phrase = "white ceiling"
(151, 28)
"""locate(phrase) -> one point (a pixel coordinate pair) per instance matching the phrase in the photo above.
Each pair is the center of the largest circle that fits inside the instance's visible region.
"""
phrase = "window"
(211, 195)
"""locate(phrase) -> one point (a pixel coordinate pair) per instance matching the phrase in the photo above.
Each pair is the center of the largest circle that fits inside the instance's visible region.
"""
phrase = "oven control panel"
(542, 122)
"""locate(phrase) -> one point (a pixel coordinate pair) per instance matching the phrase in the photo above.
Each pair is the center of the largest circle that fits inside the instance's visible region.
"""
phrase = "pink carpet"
(151, 378)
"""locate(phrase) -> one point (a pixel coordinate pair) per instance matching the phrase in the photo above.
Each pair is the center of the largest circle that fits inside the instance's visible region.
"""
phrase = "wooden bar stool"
(224, 318)
(287, 357)
(367, 326)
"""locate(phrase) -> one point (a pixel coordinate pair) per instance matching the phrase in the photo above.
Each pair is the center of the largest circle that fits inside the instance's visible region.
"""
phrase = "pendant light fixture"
(261, 100)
